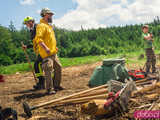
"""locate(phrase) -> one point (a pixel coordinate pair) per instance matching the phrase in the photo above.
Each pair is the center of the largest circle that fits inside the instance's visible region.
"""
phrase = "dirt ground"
(17, 88)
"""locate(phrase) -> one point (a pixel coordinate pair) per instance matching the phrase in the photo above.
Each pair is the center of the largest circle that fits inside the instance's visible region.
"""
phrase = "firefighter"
(45, 44)
(31, 25)
(151, 58)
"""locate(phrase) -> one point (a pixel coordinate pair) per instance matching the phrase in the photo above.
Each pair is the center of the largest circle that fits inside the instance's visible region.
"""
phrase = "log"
(144, 83)
(146, 89)
(143, 106)
(152, 96)
(95, 108)
(69, 96)
(143, 80)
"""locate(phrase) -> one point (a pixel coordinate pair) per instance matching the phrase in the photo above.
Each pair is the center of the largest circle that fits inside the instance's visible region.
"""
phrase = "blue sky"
(72, 14)
(16, 10)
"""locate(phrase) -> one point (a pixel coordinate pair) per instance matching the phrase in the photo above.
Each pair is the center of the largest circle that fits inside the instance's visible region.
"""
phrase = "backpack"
(111, 69)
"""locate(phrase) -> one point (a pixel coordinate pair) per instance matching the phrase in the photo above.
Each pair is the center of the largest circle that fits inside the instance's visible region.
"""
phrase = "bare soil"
(18, 88)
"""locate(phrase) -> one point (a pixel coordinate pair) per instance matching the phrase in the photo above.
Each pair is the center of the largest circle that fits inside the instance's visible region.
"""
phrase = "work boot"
(50, 91)
(37, 86)
(154, 71)
(40, 85)
(147, 72)
(42, 82)
(59, 88)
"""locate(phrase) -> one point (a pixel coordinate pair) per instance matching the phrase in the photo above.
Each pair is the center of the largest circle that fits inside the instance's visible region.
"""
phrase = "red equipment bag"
(137, 74)
(1, 78)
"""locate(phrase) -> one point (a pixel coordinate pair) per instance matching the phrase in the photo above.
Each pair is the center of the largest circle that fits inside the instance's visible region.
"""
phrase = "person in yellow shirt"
(31, 25)
(45, 45)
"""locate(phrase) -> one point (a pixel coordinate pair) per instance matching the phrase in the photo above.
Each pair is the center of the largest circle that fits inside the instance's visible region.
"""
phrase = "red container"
(1, 78)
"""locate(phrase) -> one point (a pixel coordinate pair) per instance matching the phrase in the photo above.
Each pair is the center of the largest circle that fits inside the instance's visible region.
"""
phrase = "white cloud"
(102, 13)
(30, 2)
(26, 2)
(38, 11)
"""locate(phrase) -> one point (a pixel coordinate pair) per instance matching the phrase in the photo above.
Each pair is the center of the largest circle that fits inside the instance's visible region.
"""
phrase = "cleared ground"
(17, 88)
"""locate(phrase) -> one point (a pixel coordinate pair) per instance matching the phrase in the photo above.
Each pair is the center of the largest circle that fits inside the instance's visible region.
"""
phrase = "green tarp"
(112, 69)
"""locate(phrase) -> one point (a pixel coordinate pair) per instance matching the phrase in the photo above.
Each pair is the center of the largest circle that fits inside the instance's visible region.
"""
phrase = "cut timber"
(152, 96)
(144, 83)
(69, 96)
(39, 118)
(135, 101)
(95, 108)
(143, 80)
(149, 88)
(154, 105)
(143, 106)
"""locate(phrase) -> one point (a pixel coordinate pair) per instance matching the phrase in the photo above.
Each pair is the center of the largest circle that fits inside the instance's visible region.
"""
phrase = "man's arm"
(149, 37)
(42, 44)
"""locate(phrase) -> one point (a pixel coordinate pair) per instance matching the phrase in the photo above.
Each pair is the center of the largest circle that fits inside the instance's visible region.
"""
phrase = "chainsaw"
(137, 74)
(121, 98)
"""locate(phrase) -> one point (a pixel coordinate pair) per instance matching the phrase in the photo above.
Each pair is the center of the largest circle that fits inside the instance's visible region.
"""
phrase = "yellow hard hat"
(27, 19)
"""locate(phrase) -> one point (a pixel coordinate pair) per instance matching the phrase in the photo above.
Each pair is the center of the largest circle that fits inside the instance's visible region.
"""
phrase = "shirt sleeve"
(143, 35)
(40, 30)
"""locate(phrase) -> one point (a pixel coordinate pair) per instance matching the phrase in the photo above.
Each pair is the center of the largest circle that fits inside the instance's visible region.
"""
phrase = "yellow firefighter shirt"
(44, 33)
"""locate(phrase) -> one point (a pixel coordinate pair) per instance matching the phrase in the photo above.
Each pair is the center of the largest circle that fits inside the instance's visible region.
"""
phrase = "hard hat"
(46, 10)
(145, 26)
(27, 19)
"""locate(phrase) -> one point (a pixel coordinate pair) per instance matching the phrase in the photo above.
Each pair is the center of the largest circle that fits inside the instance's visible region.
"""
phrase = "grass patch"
(11, 69)
(131, 58)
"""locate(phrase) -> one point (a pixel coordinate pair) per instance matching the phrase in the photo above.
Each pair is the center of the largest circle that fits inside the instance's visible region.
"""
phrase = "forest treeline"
(100, 41)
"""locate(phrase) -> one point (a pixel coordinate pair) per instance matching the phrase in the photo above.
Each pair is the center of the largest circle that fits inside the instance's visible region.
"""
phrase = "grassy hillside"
(131, 58)
(92, 42)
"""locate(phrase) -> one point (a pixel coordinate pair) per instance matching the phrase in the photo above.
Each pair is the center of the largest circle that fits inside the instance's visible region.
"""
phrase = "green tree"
(6, 46)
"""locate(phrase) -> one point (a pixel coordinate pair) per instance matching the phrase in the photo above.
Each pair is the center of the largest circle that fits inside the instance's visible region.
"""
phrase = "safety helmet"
(145, 26)
(45, 11)
(27, 19)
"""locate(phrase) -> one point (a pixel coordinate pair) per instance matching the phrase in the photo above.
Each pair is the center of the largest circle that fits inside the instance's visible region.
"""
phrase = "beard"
(49, 20)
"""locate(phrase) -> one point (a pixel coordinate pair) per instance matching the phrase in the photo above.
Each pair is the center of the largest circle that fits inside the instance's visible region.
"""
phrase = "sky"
(74, 14)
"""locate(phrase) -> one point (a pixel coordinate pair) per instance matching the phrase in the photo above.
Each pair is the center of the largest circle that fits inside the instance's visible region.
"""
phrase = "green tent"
(112, 69)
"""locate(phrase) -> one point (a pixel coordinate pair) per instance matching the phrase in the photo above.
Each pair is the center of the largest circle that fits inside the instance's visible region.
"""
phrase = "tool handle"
(68, 97)
(29, 62)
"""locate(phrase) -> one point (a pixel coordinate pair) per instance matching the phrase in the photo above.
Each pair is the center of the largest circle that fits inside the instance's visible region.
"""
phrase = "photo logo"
(144, 114)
